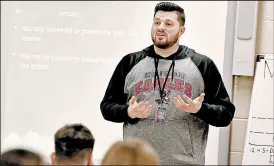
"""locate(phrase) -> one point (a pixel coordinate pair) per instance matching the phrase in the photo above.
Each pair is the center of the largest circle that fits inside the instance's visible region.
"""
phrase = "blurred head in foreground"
(17, 157)
(131, 151)
(73, 146)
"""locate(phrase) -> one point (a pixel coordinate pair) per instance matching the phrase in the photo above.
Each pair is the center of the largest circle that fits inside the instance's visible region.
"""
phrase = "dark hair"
(71, 139)
(17, 157)
(169, 6)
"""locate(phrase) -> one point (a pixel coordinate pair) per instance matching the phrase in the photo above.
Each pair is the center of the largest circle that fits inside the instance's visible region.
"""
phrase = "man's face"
(166, 29)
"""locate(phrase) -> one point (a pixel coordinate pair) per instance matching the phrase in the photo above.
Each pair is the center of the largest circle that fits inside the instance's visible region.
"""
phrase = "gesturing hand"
(138, 110)
(193, 106)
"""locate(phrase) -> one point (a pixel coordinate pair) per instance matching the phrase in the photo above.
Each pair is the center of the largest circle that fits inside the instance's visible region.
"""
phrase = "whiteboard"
(58, 57)
(259, 142)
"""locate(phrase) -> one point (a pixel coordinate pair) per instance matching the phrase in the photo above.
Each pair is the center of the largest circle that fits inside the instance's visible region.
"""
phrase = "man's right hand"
(138, 110)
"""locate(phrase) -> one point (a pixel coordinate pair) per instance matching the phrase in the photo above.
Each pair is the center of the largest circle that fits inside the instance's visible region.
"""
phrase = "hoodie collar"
(180, 53)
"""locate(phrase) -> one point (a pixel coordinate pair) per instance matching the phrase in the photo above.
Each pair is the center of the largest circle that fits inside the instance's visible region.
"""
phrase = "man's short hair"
(168, 7)
(72, 139)
(17, 157)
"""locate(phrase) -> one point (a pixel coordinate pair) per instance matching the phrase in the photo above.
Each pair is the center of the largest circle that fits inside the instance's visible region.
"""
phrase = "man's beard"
(167, 43)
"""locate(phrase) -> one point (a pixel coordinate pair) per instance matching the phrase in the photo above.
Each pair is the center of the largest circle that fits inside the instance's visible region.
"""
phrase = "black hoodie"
(182, 138)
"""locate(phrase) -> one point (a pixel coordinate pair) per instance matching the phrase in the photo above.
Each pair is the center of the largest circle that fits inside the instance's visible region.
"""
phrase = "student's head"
(73, 145)
(17, 157)
(168, 24)
(131, 152)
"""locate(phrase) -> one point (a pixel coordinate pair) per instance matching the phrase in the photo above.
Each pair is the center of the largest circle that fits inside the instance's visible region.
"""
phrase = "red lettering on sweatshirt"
(179, 86)
(188, 90)
(148, 85)
(138, 89)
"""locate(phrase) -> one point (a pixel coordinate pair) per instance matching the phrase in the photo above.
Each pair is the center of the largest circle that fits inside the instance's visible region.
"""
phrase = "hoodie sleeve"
(114, 104)
(217, 109)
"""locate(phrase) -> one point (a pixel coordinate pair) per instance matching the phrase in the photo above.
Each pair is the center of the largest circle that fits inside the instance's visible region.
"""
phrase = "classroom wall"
(243, 85)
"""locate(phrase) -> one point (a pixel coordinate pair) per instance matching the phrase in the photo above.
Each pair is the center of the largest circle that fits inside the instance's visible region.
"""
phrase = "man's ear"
(52, 157)
(182, 30)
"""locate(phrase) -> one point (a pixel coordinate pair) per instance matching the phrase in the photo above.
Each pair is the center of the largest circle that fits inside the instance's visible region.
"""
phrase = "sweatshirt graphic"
(182, 138)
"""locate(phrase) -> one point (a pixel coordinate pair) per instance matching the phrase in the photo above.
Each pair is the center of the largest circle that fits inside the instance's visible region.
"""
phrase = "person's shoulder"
(134, 57)
(198, 57)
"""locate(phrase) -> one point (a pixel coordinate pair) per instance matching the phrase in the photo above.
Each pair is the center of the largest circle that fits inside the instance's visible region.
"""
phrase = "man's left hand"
(193, 106)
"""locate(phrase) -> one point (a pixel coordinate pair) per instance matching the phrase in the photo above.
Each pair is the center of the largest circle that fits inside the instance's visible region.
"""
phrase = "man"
(168, 94)
(17, 157)
(73, 146)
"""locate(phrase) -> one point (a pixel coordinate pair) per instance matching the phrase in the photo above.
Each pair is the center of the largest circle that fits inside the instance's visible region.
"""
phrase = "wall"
(243, 85)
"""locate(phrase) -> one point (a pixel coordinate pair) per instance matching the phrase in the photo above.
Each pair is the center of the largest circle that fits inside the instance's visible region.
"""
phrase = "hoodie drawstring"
(156, 75)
